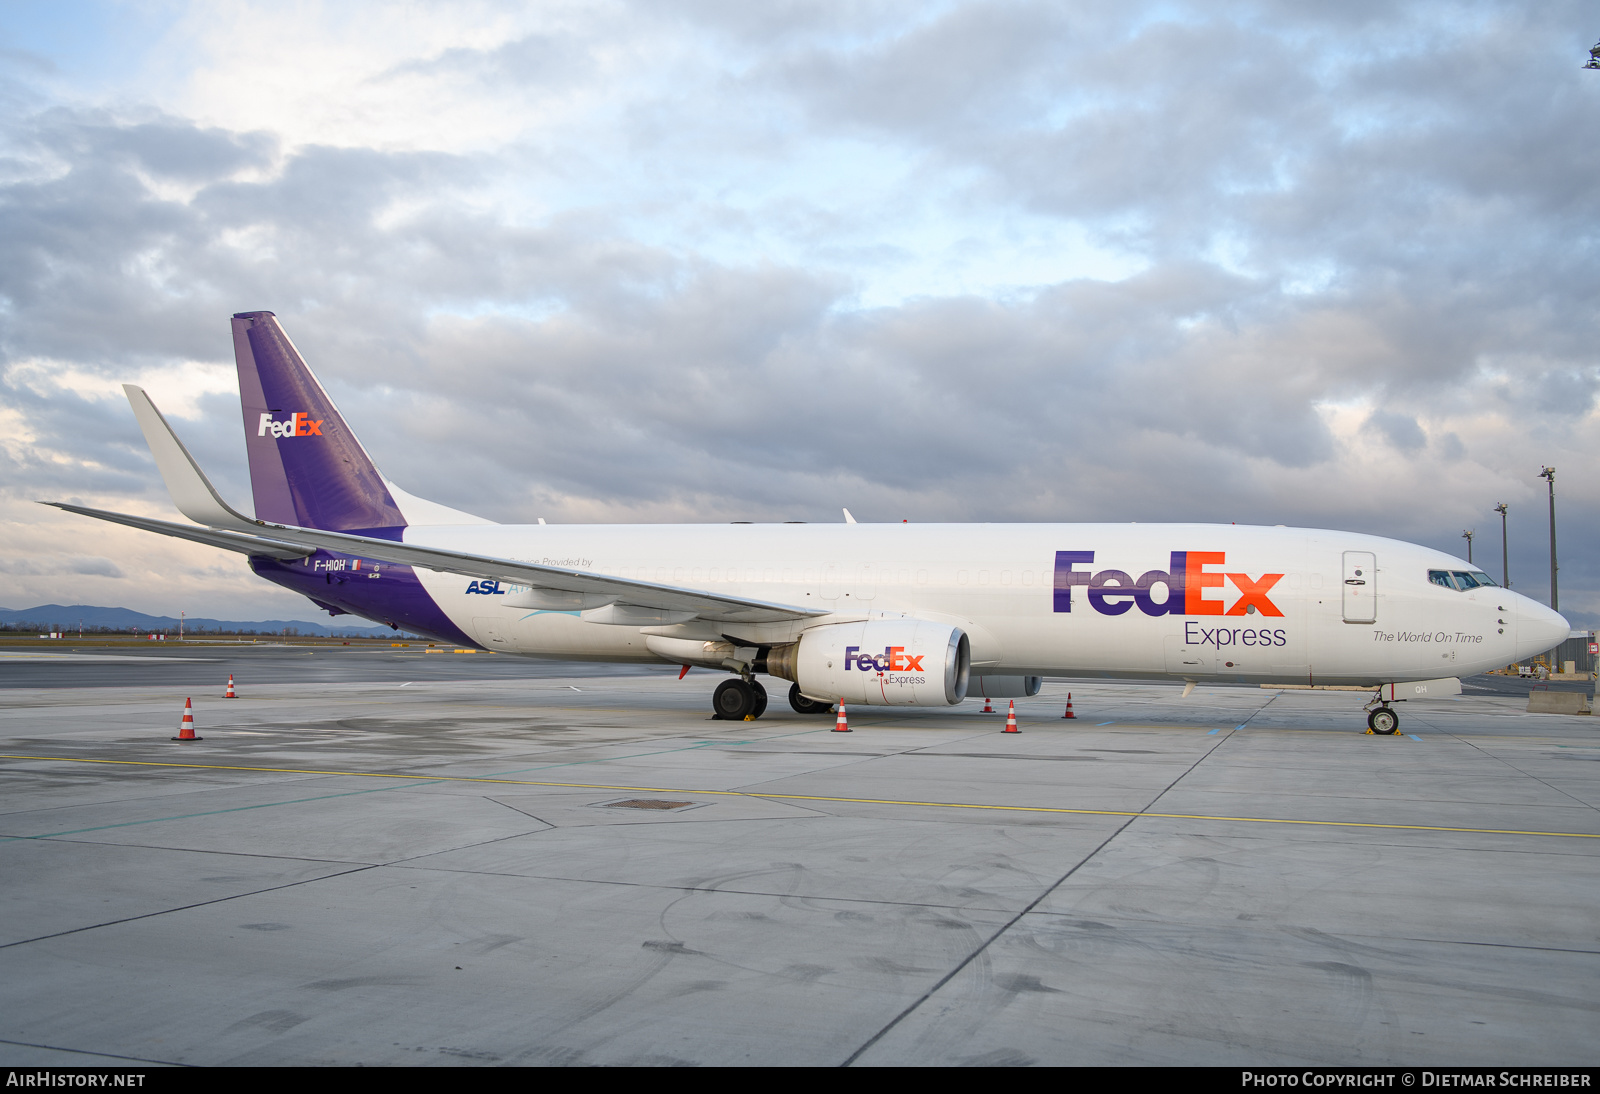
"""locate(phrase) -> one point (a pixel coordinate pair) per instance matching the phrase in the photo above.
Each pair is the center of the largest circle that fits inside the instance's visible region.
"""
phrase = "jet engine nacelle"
(878, 662)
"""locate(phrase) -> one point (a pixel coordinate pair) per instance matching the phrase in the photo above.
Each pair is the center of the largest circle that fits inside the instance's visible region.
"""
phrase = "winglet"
(191, 491)
(211, 537)
(848, 519)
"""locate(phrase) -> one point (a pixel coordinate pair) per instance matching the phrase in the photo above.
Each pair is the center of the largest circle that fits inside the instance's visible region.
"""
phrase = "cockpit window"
(1459, 579)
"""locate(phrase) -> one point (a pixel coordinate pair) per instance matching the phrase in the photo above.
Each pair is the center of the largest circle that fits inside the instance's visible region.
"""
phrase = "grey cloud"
(93, 265)
(1566, 392)
(61, 564)
(26, 61)
(742, 384)
(789, 22)
(949, 73)
(97, 442)
(323, 190)
(1393, 146)
(537, 60)
(1400, 430)
(165, 147)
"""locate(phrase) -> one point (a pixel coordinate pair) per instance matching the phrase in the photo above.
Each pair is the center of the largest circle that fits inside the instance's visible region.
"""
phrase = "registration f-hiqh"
(875, 614)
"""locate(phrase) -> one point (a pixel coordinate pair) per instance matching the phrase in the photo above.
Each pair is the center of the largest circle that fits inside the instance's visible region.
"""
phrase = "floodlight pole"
(1549, 474)
(1505, 559)
(1468, 537)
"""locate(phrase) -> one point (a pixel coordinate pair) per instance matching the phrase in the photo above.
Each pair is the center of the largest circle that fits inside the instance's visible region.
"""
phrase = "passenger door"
(1360, 587)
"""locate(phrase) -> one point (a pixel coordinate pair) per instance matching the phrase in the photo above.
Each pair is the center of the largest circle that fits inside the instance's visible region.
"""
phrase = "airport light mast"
(1468, 537)
(1549, 474)
(1505, 559)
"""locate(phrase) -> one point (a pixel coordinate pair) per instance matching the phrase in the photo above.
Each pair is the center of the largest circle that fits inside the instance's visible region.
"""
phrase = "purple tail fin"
(306, 467)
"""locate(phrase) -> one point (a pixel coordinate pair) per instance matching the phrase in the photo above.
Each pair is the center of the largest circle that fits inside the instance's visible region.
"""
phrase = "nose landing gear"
(1383, 721)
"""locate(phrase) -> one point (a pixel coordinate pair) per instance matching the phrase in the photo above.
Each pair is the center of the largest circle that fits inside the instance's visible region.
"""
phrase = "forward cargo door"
(492, 632)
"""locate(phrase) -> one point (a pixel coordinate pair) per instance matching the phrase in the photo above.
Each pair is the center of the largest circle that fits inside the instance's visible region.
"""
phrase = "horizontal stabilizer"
(212, 537)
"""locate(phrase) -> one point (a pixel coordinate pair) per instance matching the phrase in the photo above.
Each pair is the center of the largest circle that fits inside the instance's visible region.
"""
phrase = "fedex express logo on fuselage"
(300, 424)
(1190, 576)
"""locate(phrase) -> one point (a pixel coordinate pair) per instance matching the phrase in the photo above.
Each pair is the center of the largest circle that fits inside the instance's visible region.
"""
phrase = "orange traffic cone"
(229, 693)
(842, 725)
(987, 707)
(186, 730)
(1011, 719)
(1069, 713)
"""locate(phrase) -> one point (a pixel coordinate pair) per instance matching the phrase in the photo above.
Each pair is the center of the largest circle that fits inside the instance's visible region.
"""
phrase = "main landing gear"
(802, 705)
(739, 699)
(736, 700)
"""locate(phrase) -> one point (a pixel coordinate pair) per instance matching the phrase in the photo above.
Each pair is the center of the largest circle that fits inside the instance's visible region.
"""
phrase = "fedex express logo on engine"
(300, 424)
(1185, 585)
(894, 659)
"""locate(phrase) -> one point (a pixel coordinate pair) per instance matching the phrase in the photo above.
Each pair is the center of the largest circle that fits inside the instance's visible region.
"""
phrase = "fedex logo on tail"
(1190, 576)
(300, 424)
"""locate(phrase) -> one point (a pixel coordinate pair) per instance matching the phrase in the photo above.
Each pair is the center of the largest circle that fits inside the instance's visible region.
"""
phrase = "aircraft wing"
(212, 537)
(624, 591)
(287, 542)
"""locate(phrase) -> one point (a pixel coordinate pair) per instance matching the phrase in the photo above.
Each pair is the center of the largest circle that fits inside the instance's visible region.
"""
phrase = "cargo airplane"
(876, 614)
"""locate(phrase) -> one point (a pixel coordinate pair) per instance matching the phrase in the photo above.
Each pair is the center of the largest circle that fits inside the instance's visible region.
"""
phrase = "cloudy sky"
(1331, 265)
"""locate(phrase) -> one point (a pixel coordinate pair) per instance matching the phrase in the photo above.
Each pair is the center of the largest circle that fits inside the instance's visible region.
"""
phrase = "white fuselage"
(1003, 583)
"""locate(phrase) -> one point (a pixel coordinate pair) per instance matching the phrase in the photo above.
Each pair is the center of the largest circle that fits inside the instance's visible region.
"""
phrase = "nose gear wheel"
(1383, 721)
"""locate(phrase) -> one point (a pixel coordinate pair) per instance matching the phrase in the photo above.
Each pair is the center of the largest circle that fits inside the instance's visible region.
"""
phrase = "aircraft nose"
(1538, 628)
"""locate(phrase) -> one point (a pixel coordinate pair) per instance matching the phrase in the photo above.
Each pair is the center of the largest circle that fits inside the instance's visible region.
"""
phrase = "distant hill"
(66, 617)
